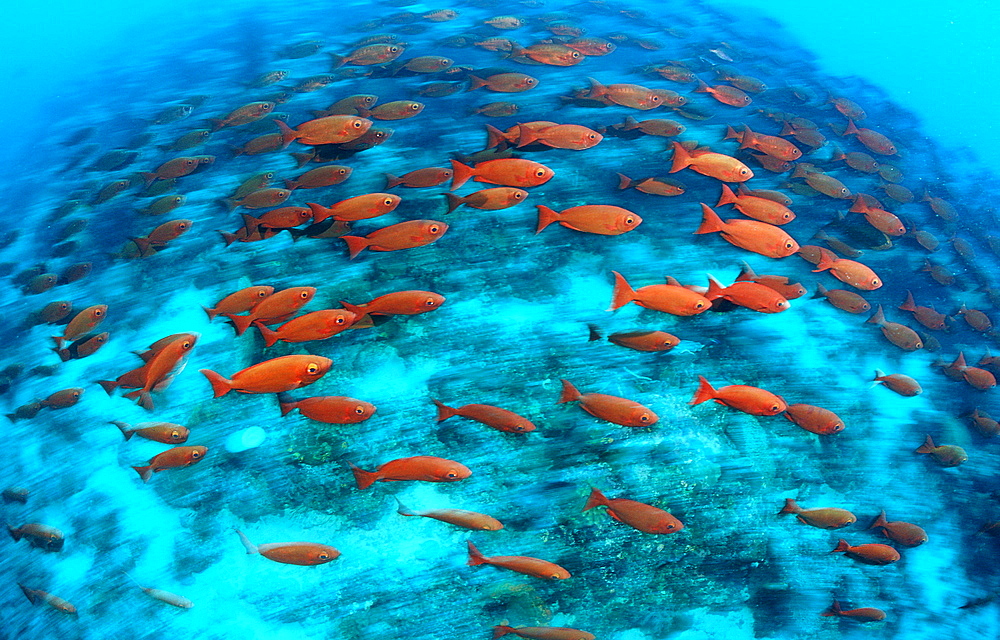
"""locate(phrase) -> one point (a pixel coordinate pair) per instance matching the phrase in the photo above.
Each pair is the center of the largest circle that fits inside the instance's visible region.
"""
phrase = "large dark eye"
(304, 294)
(415, 106)
(359, 410)
(387, 202)
(393, 49)
(261, 293)
(323, 556)
(699, 305)
(539, 173)
(312, 368)
(876, 282)
(187, 344)
(629, 220)
(644, 418)
(789, 245)
(434, 228)
(430, 302)
(195, 455)
(452, 474)
(98, 313)
(775, 408)
(517, 195)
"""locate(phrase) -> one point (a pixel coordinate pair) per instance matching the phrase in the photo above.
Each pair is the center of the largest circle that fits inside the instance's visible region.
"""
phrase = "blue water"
(514, 323)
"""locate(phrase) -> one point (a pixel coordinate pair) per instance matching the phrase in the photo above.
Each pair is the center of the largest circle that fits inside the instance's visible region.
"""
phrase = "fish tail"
(125, 428)
(746, 273)
(143, 244)
(320, 213)
(834, 610)
(624, 182)
(878, 318)
(710, 221)
(402, 510)
(108, 385)
(148, 176)
(494, 137)
(502, 630)
(240, 323)
(144, 472)
(444, 411)
(714, 288)
(705, 391)
(302, 159)
(749, 140)
(286, 403)
(597, 90)
(220, 385)
(526, 136)
(31, 594)
(595, 333)
(821, 291)
(702, 87)
(908, 304)
(63, 354)
(622, 294)
(249, 546)
(362, 477)
(475, 82)
(291, 184)
(287, 133)
(727, 196)
(596, 499)
(569, 392)
(391, 181)
(211, 313)
(460, 173)
(827, 259)
(859, 205)
(14, 533)
(228, 238)
(841, 546)
(732, 134)
(336, 61)
(790, 506)
(880, 521)
(546, 216)
(58, 340)
(851, 129)
(681, 157)
(270, 336)
(454, 201)
(927, 446)
(629, 123)
(11, 416)
(357, 244)
(228, 203)
(786, 129)
(475, 557)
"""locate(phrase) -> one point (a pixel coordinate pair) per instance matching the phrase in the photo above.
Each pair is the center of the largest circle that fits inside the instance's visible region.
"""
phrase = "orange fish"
(161, 366)
(601, 219)
(318, 325)
(654, 186)
(849, 272)
(844, 300)
(328, 409)
(509, 172)
(404, 235)
(543, 633)
(422, 468)
(396, 110)
(947, 455)
(669, 298)
(279, 374)
(37, 596)
(488, 199)
(640, 516)
(320, 177)
(260, 199)
(814, 419)
(750, 295)
(398, 303)
(175, 168)
(273, 308)
(301, 553)
(762, 209)
(725, 94)
(82, 323)
(713, 165)
(429, 177)
(650, 341)
(368, 55)
(752, 235)
(976, 319)
(827, 185)
(363, 207)
(978, 378)
(900, 335)
(326, 130)
(560, 136)
(773, 146)
(825, 518)
(926, 316)
(903, 385)
(521, 564)
(627, 413)
(878, 554)
(165, 432)
(904, 533)
(63, 399)
(864, 614)
(83, 346)
(239, 301)
(752, 400)
(634, 96)
(881, 219)
(493, 417)
(39, 536)
(176, 458)
(458, 517)
(874, 140)
(789, 290)
(503, 82)
(653, 127)
(552, 54)
(243, 115)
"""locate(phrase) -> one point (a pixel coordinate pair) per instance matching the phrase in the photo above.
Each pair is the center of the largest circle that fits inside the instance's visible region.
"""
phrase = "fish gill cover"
(584, 286)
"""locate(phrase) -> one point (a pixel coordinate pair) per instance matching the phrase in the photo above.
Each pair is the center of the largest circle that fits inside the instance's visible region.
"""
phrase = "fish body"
(458, 517)
(363, 207)
(508, 172)
(622, 411)
(638, 515)
(165, 432)
(668, 298)
(877, 554)
(283, 373)
(328, 409)
(239, 301)
(326, 130)
(176, 458)
(946, 455)
(900, 335)
(601, 219)
(761, 209)
(317, 325)
(814, 419)
(543, 633)
(752, 235)
(422, 468)
(493, 417)
(864, 614)
(842, 299)
(527, 565)
(272, 308)
(305, 554)
(750, 295)
(904, 533)
(492, 199)
(752, 400)
(824, 518)
(38, 535)
(37, 596)
(850, 272)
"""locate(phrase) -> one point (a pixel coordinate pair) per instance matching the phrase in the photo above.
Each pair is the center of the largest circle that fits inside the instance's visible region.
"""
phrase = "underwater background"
(102, 98)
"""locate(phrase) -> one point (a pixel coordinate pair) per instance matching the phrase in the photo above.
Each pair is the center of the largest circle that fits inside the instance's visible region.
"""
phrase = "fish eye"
(415, 106)
(629, 220)
(743, 172)
(788, 245)
(434, 228)
(539, 173)
(268, 175)
(554, 576)
(699, 305)
(312, 368)
(644, 418)
(387, 202)
(342, 171)
(189, 162)
(452, 474)
(195, 455)
(670, 526)
(303, 294)
(174, 434)
(517, 195)
(323, 556)
(340, 320)
(98, 313)
(775, 408)
(187, 344)
(359, 410)
(393, 49)
(919, 345)
(430, 302)
(575, 54)
(876, 282)
(787, 216)
(356, 124)
(261, 293)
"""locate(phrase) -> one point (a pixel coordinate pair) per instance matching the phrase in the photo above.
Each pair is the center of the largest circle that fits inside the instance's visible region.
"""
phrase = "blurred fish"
(814, 419)
(650, 341)
(300, 553)
(317, 325)
(422, 468)
(622, 411)
(904, 533)
(283, 373)
(328, 409)
(669, 298)
(363, 207)
(407, 303)
(458, 517)
(166, 432)
(601, 219)
(824, 518)
(39, 536)
(521, 564)
(864, 614)
(36, 596)
(270, 309)
(946, 455)
(641, 517)
(752, 235)
(543, 633)
(878, 554)
(175, 458)
(493, 417)
(164, 596)
(714, 165)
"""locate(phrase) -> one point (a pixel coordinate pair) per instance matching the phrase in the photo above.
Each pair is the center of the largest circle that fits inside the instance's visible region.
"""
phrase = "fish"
(553, 54)
(773, 146)
(317, 325)
(325, 176)
(900, 335)
(904, 533)
(508, 172)
(280, 218)
(429, 177)
(752, 235)
(83, 346)
(328, 409)
(176, 168)
(37, 596)
(164, 596)
(864, 614)
(879, 218)
(408, 303)
(305, 554)
(404, 235)
(714, 165)
(977, 378)
(458, 517)
(654, 186)
(82, 323)
(843, 299)
(752, 400)
(652, 127)
(640, 516)
(601, 219)
(503, 82)
(368, 55)
(926, 316)
(633, 96)
(725, 94)
(814, 419)
(823, 518)
(175, 458)
(877, 554)
(874, 140)
(239, 301)
(492, 417)
(492, 199)
(159, 367)
(520, 564)
(649, 341)
(260, 199)
(621, 411)
(750, 295)
(362, 207)
(669, 298)
(947, 455)
(976, 319)
(788, 289)
(827, 185)
(422, 468)
(63, 399)
(283, 373)
(162, 205)
(272, 308)
(395, 110)
(761, 209)
(984, 424)
(560, 136)
(165, 432)
(40, 536)
(849, 272)
(543, 633)
(15, 494)
(326, 130)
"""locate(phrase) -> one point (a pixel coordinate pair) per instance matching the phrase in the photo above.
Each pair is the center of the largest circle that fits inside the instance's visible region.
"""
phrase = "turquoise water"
(514, 322)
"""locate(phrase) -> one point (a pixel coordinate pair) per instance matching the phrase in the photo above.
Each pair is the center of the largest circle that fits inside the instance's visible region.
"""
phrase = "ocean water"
(515, 321)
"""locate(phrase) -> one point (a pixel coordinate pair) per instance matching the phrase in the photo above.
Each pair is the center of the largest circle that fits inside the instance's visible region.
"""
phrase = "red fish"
(752, 235)
(752, 400)
(654, 186)
(82, 323)
(669, 298)
(874, 140)
(82, 347)
(300, 553)
(757, 208)
(844, 300)
(749, 295)
(503, 82)
(634, 96)
(273, 308)
(926, 316)
(639, 516)
(164, 596)
(318, 325)
(639, 340)
(429, 177)
(627, 413)
(900, 335)
(560, 136)
(165, 432)
(328, 409)
(509, 172)
(493, 417)
(879, 554)
(946, 455)
(903, 385)
(849, 272)
(543, 633)
(458, 517)
(881, 219)
(176, 458)
(814, 419)
(521, 564)
(279, 374)
(714, 165)
(725, 94)
(601, 219)
(864, 614)
(404, 235)
(824, 518)
(363, 207)
(904, 533)
(326, 130)
(488, 199)
(239, 301)
(788, 289)
(406, 303)
(423, 468)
